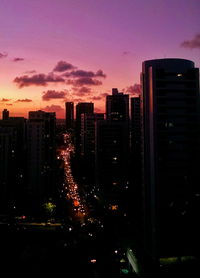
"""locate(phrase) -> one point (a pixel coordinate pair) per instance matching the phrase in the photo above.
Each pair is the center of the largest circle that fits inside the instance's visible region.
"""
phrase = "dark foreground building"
(171, 154)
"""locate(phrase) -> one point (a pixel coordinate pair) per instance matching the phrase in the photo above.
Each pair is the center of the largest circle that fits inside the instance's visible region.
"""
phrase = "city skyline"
(63, 51)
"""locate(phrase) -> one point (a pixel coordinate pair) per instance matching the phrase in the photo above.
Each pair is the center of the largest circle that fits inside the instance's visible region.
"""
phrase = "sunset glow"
(73, 50)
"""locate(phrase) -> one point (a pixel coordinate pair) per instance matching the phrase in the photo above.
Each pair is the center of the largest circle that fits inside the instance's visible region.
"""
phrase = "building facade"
(170, 153)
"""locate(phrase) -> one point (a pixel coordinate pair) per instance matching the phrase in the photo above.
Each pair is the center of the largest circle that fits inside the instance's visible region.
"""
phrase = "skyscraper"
(5, 114)
(69, 106)
(81, 108)
(41, 154)
(171, 153)
(12, 161)
(117, 106)
(88, 140)
(112, 150)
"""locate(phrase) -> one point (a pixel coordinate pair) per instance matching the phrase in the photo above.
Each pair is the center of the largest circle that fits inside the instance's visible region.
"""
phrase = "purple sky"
(113, 36)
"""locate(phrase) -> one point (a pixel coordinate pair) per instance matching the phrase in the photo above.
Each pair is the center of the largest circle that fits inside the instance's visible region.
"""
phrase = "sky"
(53, 51)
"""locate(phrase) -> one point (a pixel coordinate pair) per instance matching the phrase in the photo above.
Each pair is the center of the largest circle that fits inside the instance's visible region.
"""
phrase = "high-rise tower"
(117, 106)
(69, 106)
(171, 153)
(41, 154)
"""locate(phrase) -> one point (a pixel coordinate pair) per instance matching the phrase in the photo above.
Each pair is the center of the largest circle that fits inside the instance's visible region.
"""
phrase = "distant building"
(41, 154)
(88, 125)
(112, 150)
(117, 106)
(69, 106)
(5, 114)
(12, 161)
(171, 153)
(81, 108)
(88, 140)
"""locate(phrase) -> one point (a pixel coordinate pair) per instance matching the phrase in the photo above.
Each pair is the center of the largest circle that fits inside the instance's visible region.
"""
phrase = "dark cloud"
(63, 66)
(53, 108)
(85, 74)
(194, 43)
(126, 52)
(52, 94)
(96, 98)
(24, 100)
(5, 99)
(18, 59)
(30, 71)
(8, 104)
(3, 55)
(37, 80)
(88, 81)
(81, 91)
(133, 90)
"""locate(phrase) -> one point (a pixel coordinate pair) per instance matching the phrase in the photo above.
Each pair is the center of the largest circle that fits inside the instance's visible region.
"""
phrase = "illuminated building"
(170, 148)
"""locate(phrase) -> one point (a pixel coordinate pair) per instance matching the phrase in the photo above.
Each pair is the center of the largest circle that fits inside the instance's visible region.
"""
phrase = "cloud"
(53, 108)
(96, 97)
(24, 100)
(85, 74)
(5, 99)
(37, 80)
(88, 81)
(18, 59)
(30, 71)
(125, 52)
(8, 104)
(3, 55)
(81, 91)
(52, 94)
(63, 66)
(104, 94)
(194, 43)
(133, 90)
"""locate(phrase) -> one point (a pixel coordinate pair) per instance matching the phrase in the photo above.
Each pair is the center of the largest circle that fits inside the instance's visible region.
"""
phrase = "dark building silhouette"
(112, 151)
(171, 149)
(81, 108)
(41, 155)
(69, 106)
(12, 162)
(117, 106)
(88, 139)
(5, 114)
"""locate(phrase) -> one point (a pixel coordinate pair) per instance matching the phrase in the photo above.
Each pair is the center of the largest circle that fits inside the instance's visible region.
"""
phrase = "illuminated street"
(70, 187)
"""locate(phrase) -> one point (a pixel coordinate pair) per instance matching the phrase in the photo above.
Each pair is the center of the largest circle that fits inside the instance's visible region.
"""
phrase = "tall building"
(41, 154)
(69, 106)
(88, 139)
(81, 108)
(112, 150)
(117, 106)
(5, 114)
(88, 125)
(171, 153)
(12, 162)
